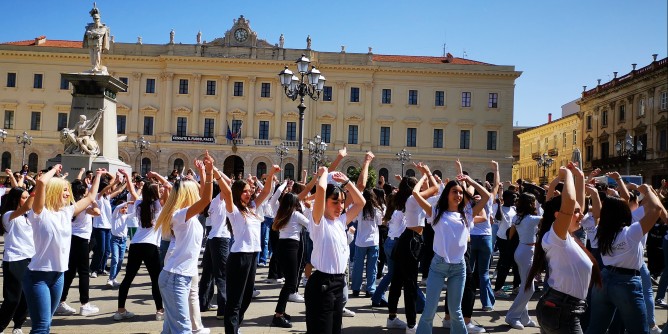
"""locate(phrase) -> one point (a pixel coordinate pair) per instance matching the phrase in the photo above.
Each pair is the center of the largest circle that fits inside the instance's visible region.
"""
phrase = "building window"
(412, 97)
(354, 94)
(265, 89)
(622, 113)
(238, 88)
(326, 132)
(291, 132)
(386, 96)
(327, 93)
(148, 125)
(289, 171)
(35, 120)
(438, 138)
(120, 123)
(411, 137)
(33, 162)
(37, 80)
(179, 165)
(62, 121)
(663, 140)
(181, 126)
(563, 139)
(11, 79)
(145, 166)
(589, 125)
(264, 130)
(605, 150)
(464, 139)
(150, 86)
(604, 118)
(439, 98)
(261, 169)
(575, 137)
(209, 126)
(384, 173)
(493, 101)
(236, 128)
(211, 87)
(183, 86)
(352, 134)
(410, 172)
(64, 84)
(9, 119)
(641, 107)
(664, 101)
(589, 153)
(466, 99)
(6, 160)
(384, 136)
(491, 140)
(125, 81)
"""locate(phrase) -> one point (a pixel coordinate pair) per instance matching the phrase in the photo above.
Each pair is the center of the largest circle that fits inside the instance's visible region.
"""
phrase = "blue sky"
(559, 45)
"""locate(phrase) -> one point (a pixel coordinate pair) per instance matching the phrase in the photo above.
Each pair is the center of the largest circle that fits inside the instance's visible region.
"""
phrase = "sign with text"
(194, 139)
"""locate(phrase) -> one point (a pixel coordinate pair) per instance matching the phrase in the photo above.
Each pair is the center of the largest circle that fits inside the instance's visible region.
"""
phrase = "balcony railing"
(291, 143)
(553, 152)
(235, 142)
(262, 142)
(618, 161)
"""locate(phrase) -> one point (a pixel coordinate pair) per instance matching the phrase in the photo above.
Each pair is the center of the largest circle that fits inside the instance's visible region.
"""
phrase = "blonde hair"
(54, 194)
(184, 194)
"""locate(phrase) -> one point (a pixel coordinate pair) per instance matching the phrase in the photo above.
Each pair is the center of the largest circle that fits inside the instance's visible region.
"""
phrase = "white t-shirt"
(484, 228)
(19, 244)
(147, 235)
(82, 225)
(330, 245)
(569, 266)
(187, 244)
(527, 227)
(414, 213)
(367, 229)
(507, 215)
(397, 225)
(133, 220)
(119, 226)
(450, 236)
(293, 228)
(52, 234)
(104, 219)
(218, 218)
(627, 249)
(246, 231)
(588, 223)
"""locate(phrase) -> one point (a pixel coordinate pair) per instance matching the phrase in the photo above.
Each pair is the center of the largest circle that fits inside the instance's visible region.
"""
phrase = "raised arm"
(111, 185)
(433, 184)
(119, 186)
(497, 177)
(621, 187)
(579, 183)
(40, 189)
(484, 195)
(23, 208)
(364, 172)
(206, 190)
(225, 192)
(81, 173)
(86, 201)
(129, 185)
(652, 206)
(320, 190)
(357, 200)
(268, 185)
(568, 199)
(339, 157)
(591, 190)
(10, 176)
(302, 195)
(421, 201)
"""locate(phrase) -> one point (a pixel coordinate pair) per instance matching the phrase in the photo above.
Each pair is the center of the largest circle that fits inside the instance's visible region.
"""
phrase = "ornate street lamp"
(282, 151)
(24, 140)
(141, 144)
(403, 156)
(310, 83)
(628, 149)
(3, 134)
(545, 162)
(316, 151)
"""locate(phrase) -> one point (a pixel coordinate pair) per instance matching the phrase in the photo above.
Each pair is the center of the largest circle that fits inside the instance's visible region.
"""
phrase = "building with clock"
(183, 98)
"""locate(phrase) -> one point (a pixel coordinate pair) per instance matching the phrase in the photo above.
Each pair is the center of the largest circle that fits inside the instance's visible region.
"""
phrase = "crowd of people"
(581, 242)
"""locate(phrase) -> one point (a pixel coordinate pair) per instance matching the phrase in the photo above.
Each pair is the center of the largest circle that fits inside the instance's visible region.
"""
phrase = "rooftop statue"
(96, 39)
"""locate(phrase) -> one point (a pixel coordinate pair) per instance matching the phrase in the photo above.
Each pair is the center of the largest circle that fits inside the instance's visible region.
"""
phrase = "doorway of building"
(233, 167)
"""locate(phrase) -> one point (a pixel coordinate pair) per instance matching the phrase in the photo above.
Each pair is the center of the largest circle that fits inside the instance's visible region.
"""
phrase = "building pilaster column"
(340, 113)
(195, 127)
(222, 115)
(134, 109)
(250, 127)
(168, 79)
(368, 108)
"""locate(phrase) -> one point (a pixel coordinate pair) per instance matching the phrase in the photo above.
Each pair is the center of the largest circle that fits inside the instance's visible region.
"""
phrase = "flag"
(237, 134)
(229, 134)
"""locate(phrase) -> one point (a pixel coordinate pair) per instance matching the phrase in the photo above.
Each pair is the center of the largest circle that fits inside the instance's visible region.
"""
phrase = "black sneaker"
(356, 293)
(382, 303)
(368, 294)
(287, 316)
(281, 322)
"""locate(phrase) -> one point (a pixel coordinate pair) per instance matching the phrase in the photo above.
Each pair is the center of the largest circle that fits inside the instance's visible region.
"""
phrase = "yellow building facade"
(183, 97)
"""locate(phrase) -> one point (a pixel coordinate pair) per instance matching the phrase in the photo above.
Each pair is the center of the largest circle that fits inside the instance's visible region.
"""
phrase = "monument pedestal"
(72, 163)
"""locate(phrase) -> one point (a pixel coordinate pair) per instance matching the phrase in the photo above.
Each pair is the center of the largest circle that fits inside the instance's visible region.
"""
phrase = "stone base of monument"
(72, 164)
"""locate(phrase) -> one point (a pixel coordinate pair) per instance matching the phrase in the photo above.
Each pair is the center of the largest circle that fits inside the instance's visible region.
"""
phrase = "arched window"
(289, 172)
(6, 160)
(178, 164)
(384, 173)
(439, 173)
(145, 166)
(33, 162)
(410, 172)
(261, 169)
(490, 178)
(350, 170)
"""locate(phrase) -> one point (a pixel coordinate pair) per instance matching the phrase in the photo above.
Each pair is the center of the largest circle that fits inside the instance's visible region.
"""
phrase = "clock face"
(240, 35)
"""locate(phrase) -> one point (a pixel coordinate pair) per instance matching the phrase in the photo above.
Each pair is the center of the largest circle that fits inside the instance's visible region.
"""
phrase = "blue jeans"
(265, 251)
(647, 293)
(663, 281)
(102, 249)
(118, 245)
(456, 275)
(371, 254)
(379, 294)
(162, 251)
(623, 293)
(42, 290)
(495, 228)
(481, 256)
(175, 289)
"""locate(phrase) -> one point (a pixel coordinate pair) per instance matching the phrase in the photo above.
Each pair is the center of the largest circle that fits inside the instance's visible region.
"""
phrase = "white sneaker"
(411, 330)
(64, 309)
(296, 298)
(17, 331)
(122, 316)
(446, 323)
(93, 275)
(256, 293)
(110, 284)
(471, 328)
(348, 313)
(202, 331)
(653, 330)
(159, 315)
(515, 324)
(531, 323)
(395, 323)
(88, 309)
(116, 283)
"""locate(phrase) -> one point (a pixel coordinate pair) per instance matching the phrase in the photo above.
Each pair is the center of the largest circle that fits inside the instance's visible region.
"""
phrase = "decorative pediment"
(210, 111)
(385, 120)
(465, 122)
(354, 118)
(36, 105)
(63, 107)
(641, 128)
(182, 110)
(149, 109)
(290, 114)
(122, 107)
(236, 113)
(662, 122)
(9, 104)
(412, 120)
(492, 124)
(439, 121)
(264, 114)
(620, 133)
(326, 116)
(603, 137)
(588, 140)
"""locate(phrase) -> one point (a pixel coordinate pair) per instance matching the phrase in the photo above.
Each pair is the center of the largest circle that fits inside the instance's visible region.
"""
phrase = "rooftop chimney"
(40, 40)
(599, 81)
(654, 56)
(584, 89)
(615, 73)
(549, 117)
(634, 66)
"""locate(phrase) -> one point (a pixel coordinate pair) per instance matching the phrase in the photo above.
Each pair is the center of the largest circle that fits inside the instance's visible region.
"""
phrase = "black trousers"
(218, 251)
(14, 305)
(505, 263)
(427, 250)
(405, 276)
(78, 263)
(290, 258)
(275, 270)
(241, 269)
(205, 286)
(382, 235)
(559, 313)
(148, 254)
(324, 303)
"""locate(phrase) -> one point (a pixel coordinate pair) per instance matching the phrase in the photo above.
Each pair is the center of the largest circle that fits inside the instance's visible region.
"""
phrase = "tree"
(354, 173)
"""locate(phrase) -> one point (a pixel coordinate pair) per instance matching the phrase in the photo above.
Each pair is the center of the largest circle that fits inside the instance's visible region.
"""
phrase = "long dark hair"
(10, 202)
(149, 194)
(389, 210)
(288, 205)
(442, 203)
(540, 257)
(615, 214)
(405, 191)
(369, 210)
(380, 196)
(526, 205)
(78, 190)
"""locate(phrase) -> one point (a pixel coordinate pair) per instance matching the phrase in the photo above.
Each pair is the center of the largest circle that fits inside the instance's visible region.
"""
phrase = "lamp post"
(310, 83)
(545, 162)
(628, 149)
(141, 144)
(316, 150)
(403, 156)
(282, 151)
(3, 134)
(24, 140)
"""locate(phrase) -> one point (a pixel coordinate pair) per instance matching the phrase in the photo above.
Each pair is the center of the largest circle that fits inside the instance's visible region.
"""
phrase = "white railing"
(237, 142)
(262, 142)
(291, 143)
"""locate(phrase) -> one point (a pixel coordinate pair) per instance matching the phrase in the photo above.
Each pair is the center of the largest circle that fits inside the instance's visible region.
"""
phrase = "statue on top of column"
(96, 39)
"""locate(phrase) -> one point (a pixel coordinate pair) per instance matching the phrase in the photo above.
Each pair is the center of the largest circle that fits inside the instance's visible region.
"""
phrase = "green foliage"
(354, 174)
